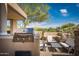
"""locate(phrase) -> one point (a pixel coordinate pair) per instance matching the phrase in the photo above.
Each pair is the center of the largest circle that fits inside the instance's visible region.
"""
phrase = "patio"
(25, 43)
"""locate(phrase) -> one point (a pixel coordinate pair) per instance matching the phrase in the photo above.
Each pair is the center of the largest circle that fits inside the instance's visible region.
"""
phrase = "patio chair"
(66, 46)
(50, 39)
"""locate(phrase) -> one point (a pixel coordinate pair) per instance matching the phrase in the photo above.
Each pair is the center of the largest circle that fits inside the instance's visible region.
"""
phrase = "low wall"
(47, 33)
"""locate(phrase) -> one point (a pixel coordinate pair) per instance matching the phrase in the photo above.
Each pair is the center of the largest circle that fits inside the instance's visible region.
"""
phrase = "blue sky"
(60, 13)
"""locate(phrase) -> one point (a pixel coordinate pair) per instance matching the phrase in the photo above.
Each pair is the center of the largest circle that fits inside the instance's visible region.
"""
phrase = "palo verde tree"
(35, 12)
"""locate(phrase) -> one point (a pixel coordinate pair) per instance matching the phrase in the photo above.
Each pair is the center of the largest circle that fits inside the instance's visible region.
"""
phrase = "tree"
(67, 25)
(35, 12)
(51, 29)
(69, 28)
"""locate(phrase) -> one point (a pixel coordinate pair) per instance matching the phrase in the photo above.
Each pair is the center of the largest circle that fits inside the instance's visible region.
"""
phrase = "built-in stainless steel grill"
(23, 37)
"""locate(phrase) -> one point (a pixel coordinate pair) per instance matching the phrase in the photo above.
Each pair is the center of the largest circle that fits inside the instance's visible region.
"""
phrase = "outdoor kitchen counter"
(6, 36)
(8, 47)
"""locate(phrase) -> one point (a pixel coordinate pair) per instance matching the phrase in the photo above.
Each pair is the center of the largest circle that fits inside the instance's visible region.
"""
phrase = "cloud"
(64, 12)
(36, 24)
(42, 25)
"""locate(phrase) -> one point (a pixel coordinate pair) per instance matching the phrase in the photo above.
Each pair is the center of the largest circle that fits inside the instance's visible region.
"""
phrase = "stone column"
(3, 19)
(76, 32)
(13, 26)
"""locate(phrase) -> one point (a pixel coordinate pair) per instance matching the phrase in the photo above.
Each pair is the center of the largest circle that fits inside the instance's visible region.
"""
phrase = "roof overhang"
(15, 12)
